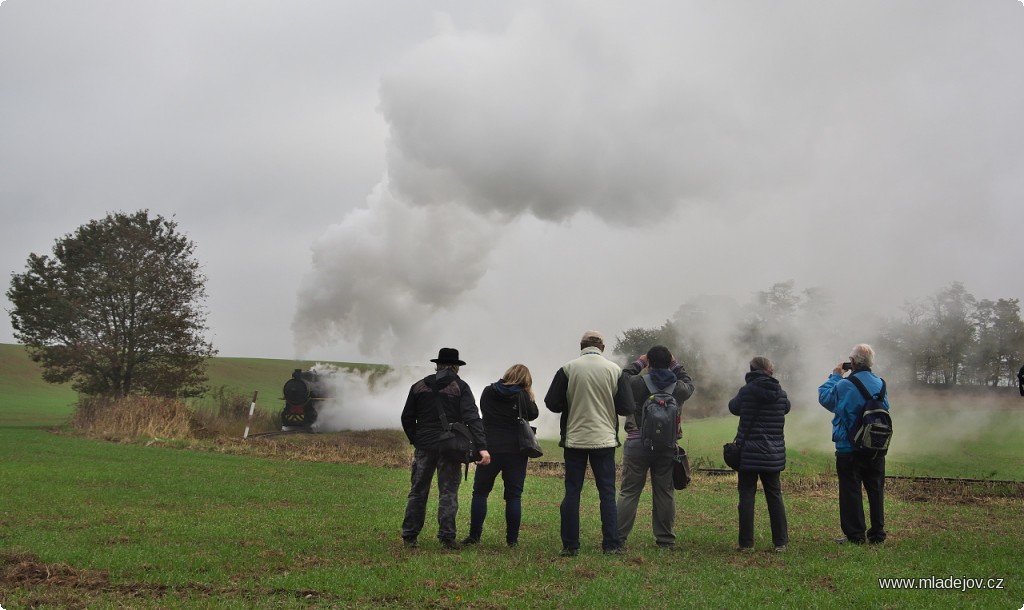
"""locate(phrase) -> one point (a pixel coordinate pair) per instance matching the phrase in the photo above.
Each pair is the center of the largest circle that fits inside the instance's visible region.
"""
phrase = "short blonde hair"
(519, 375)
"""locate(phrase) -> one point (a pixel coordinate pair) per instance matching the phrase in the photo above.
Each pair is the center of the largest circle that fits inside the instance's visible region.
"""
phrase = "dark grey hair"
(761, 363)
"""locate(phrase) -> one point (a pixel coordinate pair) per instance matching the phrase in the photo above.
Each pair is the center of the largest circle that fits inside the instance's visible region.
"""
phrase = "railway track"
(278, 433)
(722, 472)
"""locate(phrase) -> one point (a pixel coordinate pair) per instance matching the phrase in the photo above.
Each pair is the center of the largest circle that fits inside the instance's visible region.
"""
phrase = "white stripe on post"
(252, 408)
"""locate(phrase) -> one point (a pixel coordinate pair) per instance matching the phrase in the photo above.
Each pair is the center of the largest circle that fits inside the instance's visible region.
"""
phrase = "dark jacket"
(764, 444)
(682, 391)
(420, 418)
(501, 418)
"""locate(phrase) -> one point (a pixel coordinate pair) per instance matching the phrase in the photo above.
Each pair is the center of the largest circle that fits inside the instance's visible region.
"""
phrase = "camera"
(847, 366)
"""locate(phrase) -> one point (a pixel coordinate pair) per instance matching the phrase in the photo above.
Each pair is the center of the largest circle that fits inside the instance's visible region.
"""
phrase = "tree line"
(950, 338)
(954, 339)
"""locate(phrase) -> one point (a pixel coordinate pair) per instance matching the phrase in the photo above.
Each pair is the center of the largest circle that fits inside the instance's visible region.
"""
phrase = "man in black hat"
(421, 420)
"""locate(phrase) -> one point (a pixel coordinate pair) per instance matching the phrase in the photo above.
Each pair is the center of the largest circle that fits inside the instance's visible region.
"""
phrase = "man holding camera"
(840, 396)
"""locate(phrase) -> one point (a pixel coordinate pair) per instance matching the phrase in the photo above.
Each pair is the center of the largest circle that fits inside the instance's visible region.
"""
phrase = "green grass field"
(91, 524)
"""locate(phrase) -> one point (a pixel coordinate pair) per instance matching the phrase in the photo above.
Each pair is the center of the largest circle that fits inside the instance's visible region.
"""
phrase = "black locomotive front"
(301, 393)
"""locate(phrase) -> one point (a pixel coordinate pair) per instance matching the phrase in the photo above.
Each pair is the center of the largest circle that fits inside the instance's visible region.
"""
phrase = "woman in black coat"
(762, 406)
(500, 405)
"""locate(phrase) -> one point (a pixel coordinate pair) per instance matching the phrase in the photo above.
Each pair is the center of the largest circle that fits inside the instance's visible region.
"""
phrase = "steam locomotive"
(301, 393)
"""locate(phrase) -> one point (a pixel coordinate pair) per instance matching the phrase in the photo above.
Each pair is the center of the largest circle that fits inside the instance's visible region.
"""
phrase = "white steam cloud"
(358, 402)
(543, 173)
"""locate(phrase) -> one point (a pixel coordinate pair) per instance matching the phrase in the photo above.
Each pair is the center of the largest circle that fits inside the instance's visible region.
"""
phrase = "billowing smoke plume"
(383, 270)
(361, 400)
(702, 147)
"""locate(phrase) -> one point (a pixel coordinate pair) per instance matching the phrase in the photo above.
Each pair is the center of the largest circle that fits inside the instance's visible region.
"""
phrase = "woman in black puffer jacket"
(762, 406)
(501, 404)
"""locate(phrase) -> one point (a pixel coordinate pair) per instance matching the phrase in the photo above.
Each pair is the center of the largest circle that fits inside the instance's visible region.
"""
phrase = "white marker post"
(252, 408)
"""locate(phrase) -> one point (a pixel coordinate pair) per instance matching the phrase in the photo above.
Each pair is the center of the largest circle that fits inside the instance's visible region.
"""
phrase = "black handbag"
(457, 441)
(681, 469)
(733, 452)
(528, 444)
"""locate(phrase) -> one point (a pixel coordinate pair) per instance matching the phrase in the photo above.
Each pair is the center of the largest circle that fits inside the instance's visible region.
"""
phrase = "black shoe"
(614, 550)
(666, 545)
(512, 544)
(470, 540)
(450, 545)
(877, 541)
(569, 553)
(410, 543)
(844, 540)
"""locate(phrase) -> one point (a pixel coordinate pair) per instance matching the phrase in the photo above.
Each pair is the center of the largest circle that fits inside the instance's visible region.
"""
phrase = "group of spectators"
(590, 393)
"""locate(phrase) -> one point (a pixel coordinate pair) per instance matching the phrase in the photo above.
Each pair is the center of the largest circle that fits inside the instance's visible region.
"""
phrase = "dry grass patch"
(132, 417)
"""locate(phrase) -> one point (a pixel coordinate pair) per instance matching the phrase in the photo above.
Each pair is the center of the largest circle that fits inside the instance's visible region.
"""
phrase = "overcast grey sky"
(372, 180)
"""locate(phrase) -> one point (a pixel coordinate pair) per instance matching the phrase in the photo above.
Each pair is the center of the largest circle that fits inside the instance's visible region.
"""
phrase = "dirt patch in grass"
(25, 570)
(387, 448)
(59, 585)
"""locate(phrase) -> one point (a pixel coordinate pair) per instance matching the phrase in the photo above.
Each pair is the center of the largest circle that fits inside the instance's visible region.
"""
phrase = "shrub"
(131, 417)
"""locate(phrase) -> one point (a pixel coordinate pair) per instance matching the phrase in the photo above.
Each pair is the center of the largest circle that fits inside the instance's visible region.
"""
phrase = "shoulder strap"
(860, 386)
(750, 424)
(864, 391)
(440, 409)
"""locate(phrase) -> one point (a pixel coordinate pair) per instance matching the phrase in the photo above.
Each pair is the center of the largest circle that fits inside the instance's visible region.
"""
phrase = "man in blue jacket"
(841, 397)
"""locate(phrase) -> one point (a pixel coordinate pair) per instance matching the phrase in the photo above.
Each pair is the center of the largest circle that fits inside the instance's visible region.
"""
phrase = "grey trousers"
(634, 476)
(424, 464)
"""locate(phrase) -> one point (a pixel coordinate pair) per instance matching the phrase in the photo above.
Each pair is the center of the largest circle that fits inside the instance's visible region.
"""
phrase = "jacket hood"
(764, 387)
(441, 380)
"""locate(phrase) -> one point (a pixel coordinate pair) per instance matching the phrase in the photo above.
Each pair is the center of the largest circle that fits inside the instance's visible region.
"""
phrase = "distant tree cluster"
(953, 339)
(714, 336)
(950, 339)
(116, 310)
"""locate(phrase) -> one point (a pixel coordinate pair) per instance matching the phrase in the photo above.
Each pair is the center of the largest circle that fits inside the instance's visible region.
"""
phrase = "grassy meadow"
(279, 522)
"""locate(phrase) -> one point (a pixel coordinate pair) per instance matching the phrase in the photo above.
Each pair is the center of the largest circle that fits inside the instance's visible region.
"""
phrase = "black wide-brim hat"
(448, 355)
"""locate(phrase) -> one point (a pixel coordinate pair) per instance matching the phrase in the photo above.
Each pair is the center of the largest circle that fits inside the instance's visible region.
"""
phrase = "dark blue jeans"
(602, 463)
(512, 467)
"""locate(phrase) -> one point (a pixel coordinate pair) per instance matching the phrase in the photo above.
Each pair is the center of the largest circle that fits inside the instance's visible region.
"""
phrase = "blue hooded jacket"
(845, 401)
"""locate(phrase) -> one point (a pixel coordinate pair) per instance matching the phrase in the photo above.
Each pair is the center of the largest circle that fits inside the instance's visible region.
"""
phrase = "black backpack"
(872, 429)
(660, 413)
